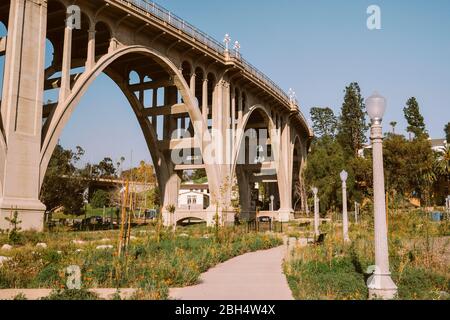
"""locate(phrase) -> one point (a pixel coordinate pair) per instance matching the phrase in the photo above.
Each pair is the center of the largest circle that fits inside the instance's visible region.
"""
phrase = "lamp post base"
(382, 287)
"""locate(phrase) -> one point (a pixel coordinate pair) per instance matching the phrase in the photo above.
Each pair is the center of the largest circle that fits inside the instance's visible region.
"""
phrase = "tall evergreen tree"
(416, 122)
(324, 122)
(352, 127)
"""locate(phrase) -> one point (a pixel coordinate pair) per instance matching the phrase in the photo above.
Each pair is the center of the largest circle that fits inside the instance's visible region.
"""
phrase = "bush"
(338, 271)
(71, 295)
(151, 266)
(100, 199)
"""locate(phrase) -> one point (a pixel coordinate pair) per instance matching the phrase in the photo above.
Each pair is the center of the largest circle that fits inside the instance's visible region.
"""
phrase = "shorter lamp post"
(344, 177)
(316, 212)
(380, 284)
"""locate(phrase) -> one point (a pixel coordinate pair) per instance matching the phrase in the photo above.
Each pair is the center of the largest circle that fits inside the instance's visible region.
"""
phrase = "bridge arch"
(241, 130)
(244, 172)
(53, 128)
(190, 217)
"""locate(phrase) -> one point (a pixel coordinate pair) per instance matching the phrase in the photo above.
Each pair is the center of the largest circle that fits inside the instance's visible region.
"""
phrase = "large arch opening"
(255, 168)
(156, 68)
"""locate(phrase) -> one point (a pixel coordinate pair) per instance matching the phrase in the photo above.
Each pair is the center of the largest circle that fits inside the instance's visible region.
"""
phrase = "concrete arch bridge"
(199, 105)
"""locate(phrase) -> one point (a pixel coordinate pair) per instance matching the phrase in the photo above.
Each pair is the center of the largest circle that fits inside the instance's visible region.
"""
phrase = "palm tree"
(443, 165)
(393, 124)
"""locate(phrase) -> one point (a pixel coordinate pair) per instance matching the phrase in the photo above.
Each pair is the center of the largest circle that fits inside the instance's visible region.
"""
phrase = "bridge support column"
(244, 193)
(285, 167)
(22, 114)
(90, 61)
(65, 89)
(171, 190)
(221, 197)
(205, 100)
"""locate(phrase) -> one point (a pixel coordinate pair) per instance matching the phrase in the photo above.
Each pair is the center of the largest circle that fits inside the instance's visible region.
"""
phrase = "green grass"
(90, 212)
(336, 271)
(176, 261)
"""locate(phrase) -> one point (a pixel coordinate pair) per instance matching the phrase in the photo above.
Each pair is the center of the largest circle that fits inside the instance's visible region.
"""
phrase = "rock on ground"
(7, 247)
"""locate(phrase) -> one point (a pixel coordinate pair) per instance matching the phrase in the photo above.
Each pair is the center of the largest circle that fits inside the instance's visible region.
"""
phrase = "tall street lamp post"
(344, 177)
(381, 284)
(316, 212)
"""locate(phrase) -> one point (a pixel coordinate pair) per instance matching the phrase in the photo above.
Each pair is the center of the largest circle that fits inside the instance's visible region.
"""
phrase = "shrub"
(71, 295)
(100, 199)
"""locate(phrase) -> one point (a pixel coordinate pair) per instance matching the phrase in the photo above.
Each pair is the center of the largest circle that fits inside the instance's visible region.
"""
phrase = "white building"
(193, 197)
(438, 145)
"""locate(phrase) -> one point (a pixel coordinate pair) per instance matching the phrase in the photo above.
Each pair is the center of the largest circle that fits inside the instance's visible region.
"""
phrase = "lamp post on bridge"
(316, 212)
(227, 40)
(344, 177)
(237, 49)
(381, 284)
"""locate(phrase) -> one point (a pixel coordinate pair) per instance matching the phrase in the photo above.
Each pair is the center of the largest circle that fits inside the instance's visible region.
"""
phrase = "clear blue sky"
(316, 47)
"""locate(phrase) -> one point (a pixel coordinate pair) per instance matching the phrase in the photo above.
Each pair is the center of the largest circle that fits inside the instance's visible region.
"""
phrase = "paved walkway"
(253, 276)
(37, 294)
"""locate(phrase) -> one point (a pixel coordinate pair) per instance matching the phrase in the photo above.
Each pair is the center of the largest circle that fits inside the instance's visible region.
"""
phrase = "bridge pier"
(285, 167)
(21, 112)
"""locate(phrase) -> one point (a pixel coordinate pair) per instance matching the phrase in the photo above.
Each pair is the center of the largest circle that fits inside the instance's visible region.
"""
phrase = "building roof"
(435, 143)
(194, 187)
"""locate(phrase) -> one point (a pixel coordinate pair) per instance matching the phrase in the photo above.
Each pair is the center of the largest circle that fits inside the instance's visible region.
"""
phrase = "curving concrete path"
(253, 276)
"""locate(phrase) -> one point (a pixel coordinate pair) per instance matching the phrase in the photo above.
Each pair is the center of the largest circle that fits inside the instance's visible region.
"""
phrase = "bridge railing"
(166, 16)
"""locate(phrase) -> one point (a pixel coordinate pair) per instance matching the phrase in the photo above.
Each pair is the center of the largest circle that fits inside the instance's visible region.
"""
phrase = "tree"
(324, 122)
(393, 124)
(396, 156)
(199, 176)
(443, 162)
(416, 122)
(105, 169)
(442, 170)
(325, 162)
(352, 128)
(421, 168)
(447, 132)
(153, 198)
(100, 199)
(63, 185)
(171, 209)
(144, 173)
